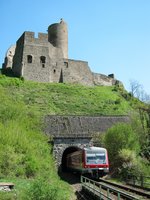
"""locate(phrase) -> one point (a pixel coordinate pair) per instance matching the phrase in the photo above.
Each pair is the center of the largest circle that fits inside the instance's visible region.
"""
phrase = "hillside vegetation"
(66, 99)
(25, 155)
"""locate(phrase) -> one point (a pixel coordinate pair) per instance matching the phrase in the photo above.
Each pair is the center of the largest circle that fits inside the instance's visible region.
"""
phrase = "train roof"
(94, 148)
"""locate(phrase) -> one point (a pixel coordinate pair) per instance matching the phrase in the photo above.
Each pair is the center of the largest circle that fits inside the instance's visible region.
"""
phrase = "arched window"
(42, 59)
(29, 58)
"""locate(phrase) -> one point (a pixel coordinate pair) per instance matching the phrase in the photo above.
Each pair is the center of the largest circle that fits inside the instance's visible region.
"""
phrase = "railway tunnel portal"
(71, 133)
(66, 145)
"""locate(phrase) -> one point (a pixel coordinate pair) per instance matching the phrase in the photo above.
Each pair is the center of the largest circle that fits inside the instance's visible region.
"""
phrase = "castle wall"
(44, 58)
(36, 70)
(34, 48)
(76, 71)
(17, 59)
(29, 37)
(101, 79)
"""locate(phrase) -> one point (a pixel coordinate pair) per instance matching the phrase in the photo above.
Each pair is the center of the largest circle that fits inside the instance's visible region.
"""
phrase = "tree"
(145, 137)
(121, 136)
(138, 91)
(136, 88)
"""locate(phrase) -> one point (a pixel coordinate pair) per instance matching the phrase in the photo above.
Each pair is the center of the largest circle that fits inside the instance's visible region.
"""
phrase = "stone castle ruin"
(45, 59)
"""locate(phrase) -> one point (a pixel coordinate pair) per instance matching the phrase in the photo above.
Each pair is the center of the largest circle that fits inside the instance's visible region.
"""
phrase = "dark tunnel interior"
(65, 153)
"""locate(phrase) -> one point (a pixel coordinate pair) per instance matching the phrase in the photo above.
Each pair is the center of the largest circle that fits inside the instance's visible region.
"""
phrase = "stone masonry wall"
(37, 47)
(17, 59)
(80, 125)
(77, 71)
(101, 79)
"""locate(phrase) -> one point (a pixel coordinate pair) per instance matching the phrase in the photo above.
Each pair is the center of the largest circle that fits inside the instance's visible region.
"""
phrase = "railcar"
(90, 160)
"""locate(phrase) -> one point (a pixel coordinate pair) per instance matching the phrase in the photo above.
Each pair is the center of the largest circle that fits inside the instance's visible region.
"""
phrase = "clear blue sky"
(112, 35)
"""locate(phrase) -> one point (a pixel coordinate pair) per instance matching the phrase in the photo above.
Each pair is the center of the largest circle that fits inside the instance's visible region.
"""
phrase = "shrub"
(42, 189)
(128, 163)
(120, 136)
(118, 101)
(7, 196)
(131, 164)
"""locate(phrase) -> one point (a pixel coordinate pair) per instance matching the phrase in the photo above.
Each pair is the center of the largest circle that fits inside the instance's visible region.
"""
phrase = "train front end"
(96, 161)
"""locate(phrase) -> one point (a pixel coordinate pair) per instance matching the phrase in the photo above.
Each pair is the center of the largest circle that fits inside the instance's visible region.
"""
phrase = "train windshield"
(95, 158)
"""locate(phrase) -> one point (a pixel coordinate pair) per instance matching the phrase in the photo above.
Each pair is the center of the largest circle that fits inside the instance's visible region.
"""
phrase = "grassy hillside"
(45, 98)
(25, 156)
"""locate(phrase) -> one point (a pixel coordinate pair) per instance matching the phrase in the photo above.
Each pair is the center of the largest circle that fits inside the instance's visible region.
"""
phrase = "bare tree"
(136, 88)
(138, 91)
(145, 97)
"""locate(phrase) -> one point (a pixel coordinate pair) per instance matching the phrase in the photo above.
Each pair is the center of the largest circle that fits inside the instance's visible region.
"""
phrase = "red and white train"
(90, 160)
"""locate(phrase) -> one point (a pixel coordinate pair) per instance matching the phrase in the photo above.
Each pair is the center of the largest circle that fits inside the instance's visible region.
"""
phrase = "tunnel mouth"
(64, 156)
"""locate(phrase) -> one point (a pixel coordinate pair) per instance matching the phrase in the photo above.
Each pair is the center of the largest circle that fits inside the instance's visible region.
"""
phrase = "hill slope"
(46, 98)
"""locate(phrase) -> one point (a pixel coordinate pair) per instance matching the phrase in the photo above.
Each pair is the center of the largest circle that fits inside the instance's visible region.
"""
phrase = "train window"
(95, 158)
(91, 158)
(101, 158)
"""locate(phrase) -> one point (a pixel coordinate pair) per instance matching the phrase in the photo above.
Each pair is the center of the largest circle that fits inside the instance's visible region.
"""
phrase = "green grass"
(25, 155)
(66, 99)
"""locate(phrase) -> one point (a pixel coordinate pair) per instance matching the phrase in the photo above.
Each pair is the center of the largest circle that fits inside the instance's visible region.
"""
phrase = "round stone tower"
(58, 36)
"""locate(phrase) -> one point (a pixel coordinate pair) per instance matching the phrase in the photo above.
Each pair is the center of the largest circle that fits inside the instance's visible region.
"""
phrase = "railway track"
(89, 189)
(133, 189)
(112, 191)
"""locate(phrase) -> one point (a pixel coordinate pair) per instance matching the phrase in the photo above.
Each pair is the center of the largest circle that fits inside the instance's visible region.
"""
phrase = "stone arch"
(67, 151)
(65, 145)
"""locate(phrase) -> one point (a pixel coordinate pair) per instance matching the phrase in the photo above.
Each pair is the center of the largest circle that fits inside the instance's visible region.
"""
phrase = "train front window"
(101, 158)
(90, 158)
(95, 158)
